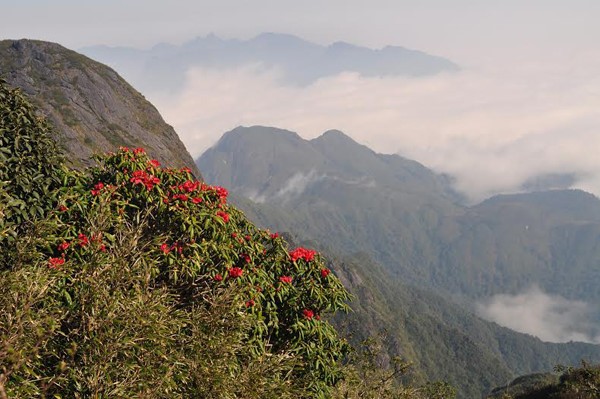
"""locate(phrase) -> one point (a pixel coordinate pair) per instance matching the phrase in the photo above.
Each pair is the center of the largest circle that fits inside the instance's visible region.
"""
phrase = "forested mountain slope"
(409, 219)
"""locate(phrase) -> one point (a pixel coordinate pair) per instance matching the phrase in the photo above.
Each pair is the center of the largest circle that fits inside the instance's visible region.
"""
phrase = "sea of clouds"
(491, 128)
(551, 318)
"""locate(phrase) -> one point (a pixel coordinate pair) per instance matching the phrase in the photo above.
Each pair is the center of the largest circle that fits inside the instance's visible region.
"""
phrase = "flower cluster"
(235, 272)
(142, 177)
(223, 215)
(308, 314)
(55, 263)
(302, 253)
(176, 246)
(97, 188)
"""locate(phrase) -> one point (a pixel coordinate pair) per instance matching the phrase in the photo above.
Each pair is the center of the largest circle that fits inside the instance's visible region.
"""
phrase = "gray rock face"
(93, 109)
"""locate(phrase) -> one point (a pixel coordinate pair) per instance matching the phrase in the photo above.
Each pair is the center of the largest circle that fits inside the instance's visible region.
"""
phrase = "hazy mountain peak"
(257, 132)
(274, 37)
(334, 135)
(301, 62)
(344, 45)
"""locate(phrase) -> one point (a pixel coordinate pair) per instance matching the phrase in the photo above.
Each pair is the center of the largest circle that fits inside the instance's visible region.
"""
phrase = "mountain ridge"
(300, 61)
(411, 220)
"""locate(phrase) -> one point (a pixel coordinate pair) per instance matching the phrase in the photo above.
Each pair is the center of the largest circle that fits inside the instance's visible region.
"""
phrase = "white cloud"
(492, 129)
(296, 184)
(551, 318)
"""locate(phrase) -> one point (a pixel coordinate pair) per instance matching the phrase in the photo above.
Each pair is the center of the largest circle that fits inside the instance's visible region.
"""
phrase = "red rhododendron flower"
(189, 186)
(141, 177)
(178, 247)
(218, 277)
(139, 150)
(55, 263)
(63, 208)
(63, 246)
(246, 257)
(286, 279)
(165, 248)
(185, 169)
(325, 272)
(302, 253)
(250, 303)
(97, 188)
(220, 191)
(102, 248)
(235, 272)
(151, 181)
(196, 200)
(124, 149)
(83, 240)
(138, 177)
(308, 314)
(154, 163)
(181, 197)
(274, 235)
(223, 215)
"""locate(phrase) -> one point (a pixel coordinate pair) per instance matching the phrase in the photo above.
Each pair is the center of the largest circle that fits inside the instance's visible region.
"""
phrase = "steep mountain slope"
(340, 192)
(509, 242)
(300, 62)
(408, 219)
(93, 108)
(444, 340)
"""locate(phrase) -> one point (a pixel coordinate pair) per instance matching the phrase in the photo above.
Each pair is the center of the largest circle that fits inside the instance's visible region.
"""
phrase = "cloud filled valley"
(492, 129)
(551, 318)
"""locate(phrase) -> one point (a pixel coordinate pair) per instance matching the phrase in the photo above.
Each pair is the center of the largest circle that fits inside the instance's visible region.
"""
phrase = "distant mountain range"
(163, 67)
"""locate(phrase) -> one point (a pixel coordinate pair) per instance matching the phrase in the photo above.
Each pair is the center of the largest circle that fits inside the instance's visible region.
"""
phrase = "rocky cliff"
(93, 108)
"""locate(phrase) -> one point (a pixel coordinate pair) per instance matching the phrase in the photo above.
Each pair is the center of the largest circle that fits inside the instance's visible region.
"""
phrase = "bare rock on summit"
(93, 109)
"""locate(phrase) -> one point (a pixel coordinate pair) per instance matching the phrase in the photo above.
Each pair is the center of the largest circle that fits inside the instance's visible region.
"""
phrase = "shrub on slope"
(136, 281)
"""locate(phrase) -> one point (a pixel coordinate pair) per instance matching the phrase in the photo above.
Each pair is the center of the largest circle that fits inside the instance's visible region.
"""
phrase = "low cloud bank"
(551, 318)
(491, 129)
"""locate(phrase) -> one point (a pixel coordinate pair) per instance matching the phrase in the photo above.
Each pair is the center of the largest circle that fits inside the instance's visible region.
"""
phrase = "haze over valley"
(495, 128)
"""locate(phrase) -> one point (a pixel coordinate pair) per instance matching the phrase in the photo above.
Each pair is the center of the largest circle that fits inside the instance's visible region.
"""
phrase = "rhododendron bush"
(192, 245)
(133, 280)
(199, 241)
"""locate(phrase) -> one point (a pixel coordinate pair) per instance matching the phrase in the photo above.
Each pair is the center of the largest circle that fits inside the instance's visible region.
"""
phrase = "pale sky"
(527, 102)
(466, 31)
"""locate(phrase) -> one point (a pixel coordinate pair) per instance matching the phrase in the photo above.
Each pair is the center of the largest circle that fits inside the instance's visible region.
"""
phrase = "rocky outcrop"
(93, 109)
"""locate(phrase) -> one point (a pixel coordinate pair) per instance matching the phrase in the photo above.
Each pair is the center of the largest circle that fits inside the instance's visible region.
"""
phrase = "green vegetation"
(573, 383)
(132, 280)
(29, 166)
